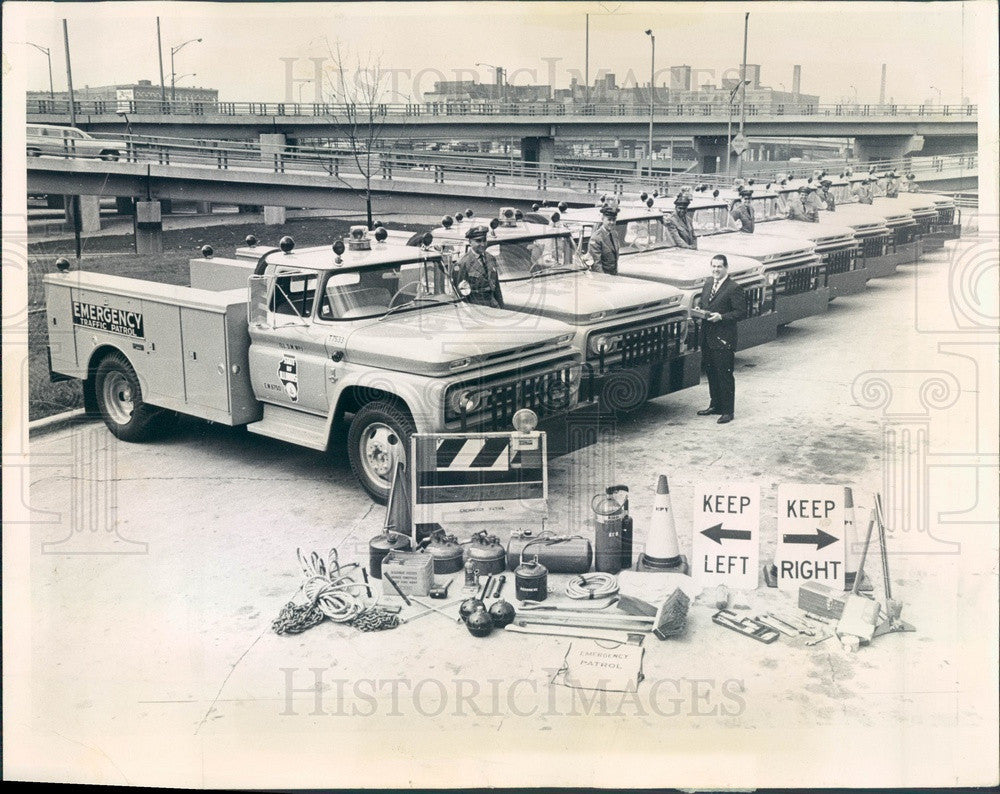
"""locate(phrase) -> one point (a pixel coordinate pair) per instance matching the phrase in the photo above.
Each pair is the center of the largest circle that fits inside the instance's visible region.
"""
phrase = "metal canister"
(446, 551)
(381, 545)
(627, 525)
(608, 515)
(531, 581)
(487, 553)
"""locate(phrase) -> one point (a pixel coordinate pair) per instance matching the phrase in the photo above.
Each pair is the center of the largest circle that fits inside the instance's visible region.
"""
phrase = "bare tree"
(358, 100)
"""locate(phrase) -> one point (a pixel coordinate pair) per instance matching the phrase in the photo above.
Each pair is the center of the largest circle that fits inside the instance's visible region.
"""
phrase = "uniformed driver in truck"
(475, 273)
(797, 209)
(742, 211)
(680, 224)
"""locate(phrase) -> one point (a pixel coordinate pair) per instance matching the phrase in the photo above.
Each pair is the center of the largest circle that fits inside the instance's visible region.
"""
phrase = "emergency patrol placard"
(725, 546)
(810, 536)
(469, 477)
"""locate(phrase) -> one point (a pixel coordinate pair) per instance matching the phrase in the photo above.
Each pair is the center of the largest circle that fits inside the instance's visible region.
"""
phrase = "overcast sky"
(840, 46)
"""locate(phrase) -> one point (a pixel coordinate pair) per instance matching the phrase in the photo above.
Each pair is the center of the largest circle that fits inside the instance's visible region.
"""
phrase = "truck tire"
(119, 400)
(379, 433)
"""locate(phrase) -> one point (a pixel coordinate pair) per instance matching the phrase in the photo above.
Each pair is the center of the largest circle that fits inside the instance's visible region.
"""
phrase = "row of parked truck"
(372, 333)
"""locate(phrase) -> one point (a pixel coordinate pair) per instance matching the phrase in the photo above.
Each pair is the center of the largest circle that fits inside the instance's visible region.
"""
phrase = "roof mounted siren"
(507, 216)
(358, 239)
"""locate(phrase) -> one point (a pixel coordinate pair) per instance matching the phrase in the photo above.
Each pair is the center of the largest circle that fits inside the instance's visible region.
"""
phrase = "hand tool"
(818, 640)
(609, 635)
(498, 588)
(892, 609)
(428, 607)
(487, 587)
(440, 591)
(395, 587)
(764, 620)
(597, 606)
(748, 627)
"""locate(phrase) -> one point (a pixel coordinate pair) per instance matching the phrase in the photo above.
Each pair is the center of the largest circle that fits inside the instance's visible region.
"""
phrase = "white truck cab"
(648, 252)
(791, 266)
(902, 222)
(636, 338)
(836, 242)
(295, 342)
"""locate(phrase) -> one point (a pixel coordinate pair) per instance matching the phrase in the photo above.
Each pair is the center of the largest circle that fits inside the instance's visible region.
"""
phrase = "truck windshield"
(358, 294)
(521, 259)
(768, 208)
(711, 220)
(644, 234)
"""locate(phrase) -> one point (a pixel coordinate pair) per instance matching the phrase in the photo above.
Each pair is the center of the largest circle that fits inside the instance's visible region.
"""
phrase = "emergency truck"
(294, 343)
(902, 223)
(647, 251)
(836, 243)
(792, 268)
(933, 230)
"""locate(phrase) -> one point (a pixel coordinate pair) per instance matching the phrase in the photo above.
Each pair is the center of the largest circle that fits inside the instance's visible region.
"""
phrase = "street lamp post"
(652, 94)
(173, 80)
(743, 85)
(934, 88)
(729, 125)
(48, 56)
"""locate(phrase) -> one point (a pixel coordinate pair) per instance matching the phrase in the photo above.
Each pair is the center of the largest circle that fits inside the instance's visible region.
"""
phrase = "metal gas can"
(531, 581)
(608, 515)
(558, 553)
(627, 524)
(486, 553)
(381, 545)
(446, 551)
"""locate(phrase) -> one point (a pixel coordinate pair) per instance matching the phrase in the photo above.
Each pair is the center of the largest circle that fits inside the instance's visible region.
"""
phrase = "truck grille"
(643, 345)
(757, 303)
(800, 280)
(903, 235)
(546, 392)
(946, 215)
(874, 246)
(924, 224)
(840, 261)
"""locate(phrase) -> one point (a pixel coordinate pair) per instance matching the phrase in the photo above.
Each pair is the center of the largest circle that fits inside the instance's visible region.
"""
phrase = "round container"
(468, 606)
(502, 613)
(381, 545)
(487, 554)
(480, 624)
(447, 553)
(531, 581)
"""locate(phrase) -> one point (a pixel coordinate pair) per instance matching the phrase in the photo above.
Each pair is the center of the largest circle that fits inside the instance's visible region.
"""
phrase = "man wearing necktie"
(742, 211)
(724, 305)
(475, 274)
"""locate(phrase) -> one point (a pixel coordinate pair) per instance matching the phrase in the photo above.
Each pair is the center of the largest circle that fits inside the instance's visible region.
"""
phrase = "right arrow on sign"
(821, 539)
(717, 533)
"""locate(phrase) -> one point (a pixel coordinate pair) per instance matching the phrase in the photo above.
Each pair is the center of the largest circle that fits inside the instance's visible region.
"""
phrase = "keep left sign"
(725, 547)
(810, 536)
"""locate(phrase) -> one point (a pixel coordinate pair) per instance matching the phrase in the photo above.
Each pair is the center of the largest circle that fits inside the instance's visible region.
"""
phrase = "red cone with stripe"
(662, 554)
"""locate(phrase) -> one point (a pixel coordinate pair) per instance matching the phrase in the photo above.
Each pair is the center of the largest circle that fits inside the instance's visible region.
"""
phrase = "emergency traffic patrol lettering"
(107, 318)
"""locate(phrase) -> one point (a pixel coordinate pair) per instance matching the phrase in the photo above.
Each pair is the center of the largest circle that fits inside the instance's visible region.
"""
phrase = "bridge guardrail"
(185, 107)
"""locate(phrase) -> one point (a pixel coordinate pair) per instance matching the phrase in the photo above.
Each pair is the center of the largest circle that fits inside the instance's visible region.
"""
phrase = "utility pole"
(159, 51)
(743, 78)
(881, 91)
(69, 78)
(586, 63)
(652, 86)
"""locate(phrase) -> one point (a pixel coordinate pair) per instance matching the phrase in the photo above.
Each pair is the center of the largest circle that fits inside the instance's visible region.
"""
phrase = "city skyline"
(540, 44)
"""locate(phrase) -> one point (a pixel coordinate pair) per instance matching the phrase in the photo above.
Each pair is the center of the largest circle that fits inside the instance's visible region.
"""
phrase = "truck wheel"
(119, 399)
(379, 436)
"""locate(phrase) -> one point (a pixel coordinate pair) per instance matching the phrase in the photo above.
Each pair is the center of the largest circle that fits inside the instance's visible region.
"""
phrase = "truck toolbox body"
(188, 347)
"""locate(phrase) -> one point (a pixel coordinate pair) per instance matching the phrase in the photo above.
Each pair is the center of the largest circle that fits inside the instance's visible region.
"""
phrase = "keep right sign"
(810, 536)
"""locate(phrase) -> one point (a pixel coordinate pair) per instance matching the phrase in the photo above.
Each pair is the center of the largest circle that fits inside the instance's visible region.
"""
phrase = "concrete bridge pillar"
(148, 227)
(90, 212)
(868, 148)
(271, 144)
(711, 154)
(124, 205)
(538, 149)
(274, 216)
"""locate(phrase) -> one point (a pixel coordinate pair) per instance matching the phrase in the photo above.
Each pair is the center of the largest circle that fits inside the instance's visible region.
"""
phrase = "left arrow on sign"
(821, 539)
(717, 533)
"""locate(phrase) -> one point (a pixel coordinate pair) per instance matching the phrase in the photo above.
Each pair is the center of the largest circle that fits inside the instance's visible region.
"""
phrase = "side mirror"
(464, 289)
(258, 293)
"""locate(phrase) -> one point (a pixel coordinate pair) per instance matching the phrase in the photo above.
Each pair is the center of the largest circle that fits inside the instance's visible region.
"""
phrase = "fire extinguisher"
(608, 515)
(626, 524)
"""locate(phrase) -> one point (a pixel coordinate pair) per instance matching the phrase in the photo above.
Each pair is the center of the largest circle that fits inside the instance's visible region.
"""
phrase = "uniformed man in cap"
(863, 191)
(680, 225)
(825, 195)
(911, 184)
(603, 246)
(476, 272)
(742, 210)
(797, 209)
(892, 185)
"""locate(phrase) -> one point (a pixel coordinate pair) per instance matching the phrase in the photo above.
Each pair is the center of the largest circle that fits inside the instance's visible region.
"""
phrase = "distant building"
(194, 99)
(471, 92)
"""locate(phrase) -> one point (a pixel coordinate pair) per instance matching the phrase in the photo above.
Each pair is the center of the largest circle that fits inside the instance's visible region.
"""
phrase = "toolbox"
(821, 600)
(413, 572)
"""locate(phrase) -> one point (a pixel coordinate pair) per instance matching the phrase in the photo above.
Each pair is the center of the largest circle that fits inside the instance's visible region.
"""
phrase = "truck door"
(288, 359)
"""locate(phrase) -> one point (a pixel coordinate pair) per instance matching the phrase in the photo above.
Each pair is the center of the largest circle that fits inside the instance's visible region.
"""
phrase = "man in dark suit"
(603, 245)
(724, 305)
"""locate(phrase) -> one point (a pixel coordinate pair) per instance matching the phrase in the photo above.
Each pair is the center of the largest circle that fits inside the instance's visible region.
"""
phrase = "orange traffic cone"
(852, 543)
(662, 554)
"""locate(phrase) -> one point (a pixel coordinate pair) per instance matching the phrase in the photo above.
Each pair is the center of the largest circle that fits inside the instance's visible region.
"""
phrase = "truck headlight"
(605, 343)
(467, 400)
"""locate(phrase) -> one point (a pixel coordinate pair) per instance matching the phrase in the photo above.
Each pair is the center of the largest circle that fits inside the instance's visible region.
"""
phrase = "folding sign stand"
(893, 609)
